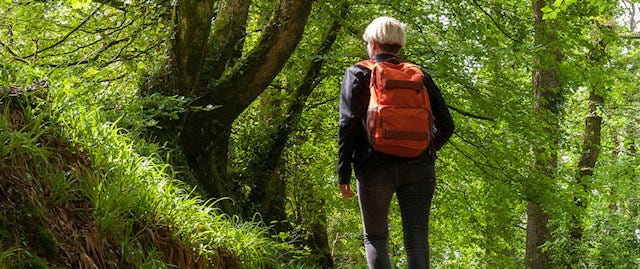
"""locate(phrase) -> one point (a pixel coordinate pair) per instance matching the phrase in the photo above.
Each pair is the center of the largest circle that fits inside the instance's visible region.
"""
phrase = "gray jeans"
(414, 184)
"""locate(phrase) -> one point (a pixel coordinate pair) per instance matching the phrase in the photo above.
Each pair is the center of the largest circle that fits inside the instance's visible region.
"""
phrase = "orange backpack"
(399, 120)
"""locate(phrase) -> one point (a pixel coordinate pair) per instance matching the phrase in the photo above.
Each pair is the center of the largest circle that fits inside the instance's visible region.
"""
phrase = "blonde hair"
(385, 31)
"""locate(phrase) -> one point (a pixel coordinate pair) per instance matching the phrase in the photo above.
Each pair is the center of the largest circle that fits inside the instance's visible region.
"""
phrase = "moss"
(27, 213)
(25, 221)
(28, 260)
(45, 241)
(5, 235)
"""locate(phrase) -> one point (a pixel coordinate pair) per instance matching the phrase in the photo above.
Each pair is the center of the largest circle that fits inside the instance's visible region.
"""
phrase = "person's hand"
(345, 190)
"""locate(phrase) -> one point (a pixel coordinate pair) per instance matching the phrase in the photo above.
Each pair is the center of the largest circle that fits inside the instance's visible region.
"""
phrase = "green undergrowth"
(79, 167)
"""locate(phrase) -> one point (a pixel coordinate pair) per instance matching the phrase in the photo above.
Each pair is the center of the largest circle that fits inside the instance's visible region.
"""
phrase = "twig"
(495, 22)
(15, 56)
(469, 114)
(67, 35)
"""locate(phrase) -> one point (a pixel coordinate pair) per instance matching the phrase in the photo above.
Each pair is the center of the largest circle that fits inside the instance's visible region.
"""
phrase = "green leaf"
(546, 9)
(551, 15)
(80, 4)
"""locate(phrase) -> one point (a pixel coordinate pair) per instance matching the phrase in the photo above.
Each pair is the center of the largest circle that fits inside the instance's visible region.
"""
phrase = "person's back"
(379, 174)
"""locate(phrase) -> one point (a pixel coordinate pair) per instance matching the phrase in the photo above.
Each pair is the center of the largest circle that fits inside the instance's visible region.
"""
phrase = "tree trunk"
(267, 194)
(206, 65)
(589, 155)
(537, 234)
(588, 158)
(547, 106)
(319, 238)
(590, 146)
(191, 27)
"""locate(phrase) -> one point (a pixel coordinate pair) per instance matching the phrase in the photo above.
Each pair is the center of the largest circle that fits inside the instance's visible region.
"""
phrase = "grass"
(134, 194)
(138, 205)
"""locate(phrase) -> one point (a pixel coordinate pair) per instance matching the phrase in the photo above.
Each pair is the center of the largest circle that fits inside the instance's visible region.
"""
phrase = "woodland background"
(203, 134)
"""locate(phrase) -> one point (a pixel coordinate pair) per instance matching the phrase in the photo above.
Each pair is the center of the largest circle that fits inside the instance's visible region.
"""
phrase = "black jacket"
(353, 146)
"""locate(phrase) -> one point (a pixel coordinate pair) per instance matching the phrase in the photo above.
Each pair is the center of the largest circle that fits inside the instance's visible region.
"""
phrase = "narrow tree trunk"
(590, 144)
(319, 237)
(547, 92)
(590, 152)
(589, 155)
(268, 191)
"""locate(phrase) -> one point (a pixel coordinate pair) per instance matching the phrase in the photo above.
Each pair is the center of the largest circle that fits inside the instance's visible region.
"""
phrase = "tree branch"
(469, 114)
(495, 22)
(112, 3)
(255, 72)
(87, 60)
(67, 35)
(15, 55)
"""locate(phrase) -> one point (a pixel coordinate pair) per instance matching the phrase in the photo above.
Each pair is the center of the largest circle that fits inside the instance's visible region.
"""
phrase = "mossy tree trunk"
(207, 64)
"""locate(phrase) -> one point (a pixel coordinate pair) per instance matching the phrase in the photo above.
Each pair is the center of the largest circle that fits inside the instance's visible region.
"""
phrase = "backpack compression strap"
(390, 83)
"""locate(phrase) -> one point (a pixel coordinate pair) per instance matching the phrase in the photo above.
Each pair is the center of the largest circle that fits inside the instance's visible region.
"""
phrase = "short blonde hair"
(385, 31)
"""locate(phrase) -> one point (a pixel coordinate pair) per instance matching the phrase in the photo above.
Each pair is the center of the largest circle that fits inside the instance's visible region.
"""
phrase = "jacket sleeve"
(350, 121)
(444, 126)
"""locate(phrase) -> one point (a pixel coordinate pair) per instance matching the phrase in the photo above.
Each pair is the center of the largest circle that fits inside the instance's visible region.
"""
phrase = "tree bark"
(319, 238)
(590, 146)
(190, 32)
(537, 234)
(226, 43)
(547, 106)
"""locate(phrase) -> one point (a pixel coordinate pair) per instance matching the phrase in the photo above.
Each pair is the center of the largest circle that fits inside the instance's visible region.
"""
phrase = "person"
(380, 175)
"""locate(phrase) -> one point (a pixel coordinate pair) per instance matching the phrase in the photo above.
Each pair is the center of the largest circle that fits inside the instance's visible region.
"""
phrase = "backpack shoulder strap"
(408, 64)
(367, 63)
